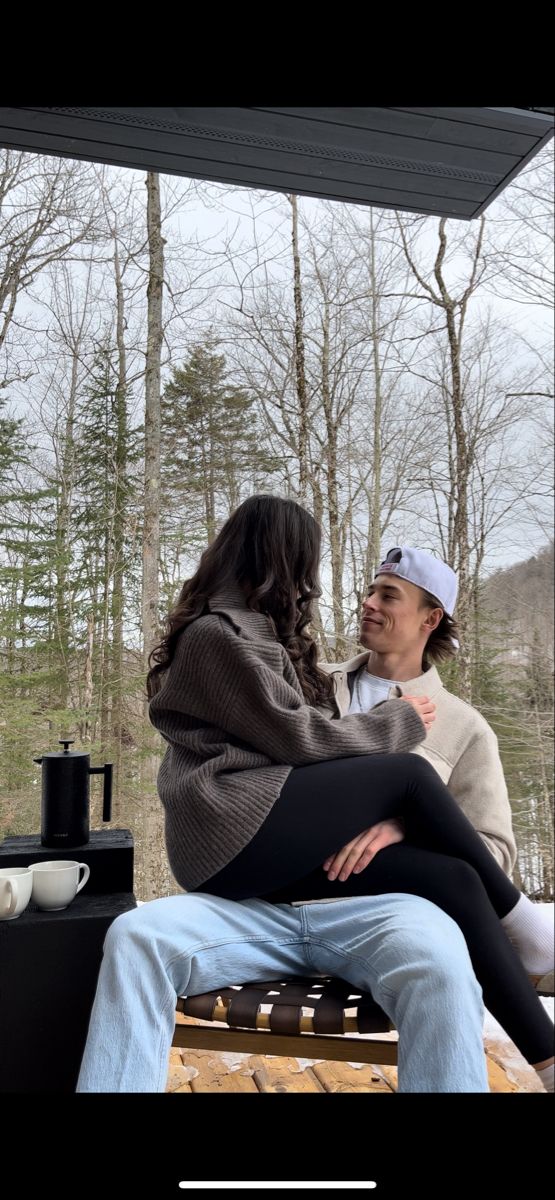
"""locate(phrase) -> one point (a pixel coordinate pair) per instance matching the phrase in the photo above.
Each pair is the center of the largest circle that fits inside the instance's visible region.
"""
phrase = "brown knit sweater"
(233, 714)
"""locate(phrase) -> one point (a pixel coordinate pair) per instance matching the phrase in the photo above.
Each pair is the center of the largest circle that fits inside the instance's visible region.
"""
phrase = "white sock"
(546, 1076)
(530, 929)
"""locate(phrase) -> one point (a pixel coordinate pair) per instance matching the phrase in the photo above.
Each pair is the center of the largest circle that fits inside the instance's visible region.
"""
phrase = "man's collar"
(232, 603)
(427, 684)
(352, 664)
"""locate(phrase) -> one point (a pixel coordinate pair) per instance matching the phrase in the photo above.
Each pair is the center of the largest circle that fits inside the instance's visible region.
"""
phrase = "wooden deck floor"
(193, 1071)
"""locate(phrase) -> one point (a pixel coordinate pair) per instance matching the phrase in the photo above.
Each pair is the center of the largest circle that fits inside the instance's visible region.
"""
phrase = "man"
(407, 625)
(408, 953)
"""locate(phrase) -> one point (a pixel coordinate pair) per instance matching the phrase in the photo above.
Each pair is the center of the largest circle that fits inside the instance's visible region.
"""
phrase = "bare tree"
(520, 247)
(46, 208)
(454, 311)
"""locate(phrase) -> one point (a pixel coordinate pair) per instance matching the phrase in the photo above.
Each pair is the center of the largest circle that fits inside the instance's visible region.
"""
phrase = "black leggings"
(443, 859)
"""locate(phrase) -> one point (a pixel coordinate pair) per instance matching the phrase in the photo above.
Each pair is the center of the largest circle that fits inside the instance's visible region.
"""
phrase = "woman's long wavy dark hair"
(271, 546)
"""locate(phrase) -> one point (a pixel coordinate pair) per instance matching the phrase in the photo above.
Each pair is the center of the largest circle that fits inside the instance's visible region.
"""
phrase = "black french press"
(65, 796)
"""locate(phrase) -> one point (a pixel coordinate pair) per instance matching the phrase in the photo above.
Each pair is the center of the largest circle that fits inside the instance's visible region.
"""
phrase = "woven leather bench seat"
(296, 1005)
(319, 1018)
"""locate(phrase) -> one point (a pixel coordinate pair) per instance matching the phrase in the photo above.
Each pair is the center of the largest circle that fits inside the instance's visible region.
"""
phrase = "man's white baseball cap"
(422, 569)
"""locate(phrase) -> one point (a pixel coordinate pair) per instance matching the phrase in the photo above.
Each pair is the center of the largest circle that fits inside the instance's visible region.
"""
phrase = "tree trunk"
(300, 376)
(154, 856)
(333, 493)
(120, 498)
(375, 531)
(88, 691)
(460, 529)
(63, 556)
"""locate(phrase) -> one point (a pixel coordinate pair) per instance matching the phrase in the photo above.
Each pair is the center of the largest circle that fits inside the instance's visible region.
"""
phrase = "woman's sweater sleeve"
(238, 685)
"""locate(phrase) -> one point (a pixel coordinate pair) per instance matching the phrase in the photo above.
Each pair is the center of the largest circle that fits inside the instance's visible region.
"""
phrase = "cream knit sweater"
(460, 745)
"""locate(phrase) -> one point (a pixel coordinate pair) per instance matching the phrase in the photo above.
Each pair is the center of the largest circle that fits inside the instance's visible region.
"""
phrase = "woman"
(260, 787)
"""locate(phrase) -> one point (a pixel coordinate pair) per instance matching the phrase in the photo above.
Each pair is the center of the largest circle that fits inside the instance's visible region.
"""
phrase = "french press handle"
(107, 772)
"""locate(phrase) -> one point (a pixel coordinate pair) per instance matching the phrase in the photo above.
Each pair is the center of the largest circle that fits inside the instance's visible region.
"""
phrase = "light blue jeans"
(409, 954)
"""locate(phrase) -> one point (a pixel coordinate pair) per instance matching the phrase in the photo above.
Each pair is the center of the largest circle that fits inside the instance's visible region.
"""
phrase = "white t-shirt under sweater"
(369, 690)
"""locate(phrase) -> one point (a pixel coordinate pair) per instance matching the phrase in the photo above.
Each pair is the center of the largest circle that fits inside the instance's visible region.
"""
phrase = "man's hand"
(425, 708)
(356, 855)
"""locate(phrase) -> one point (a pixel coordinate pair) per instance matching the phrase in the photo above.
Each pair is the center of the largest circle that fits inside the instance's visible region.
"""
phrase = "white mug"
(15, 891)
(55, 884)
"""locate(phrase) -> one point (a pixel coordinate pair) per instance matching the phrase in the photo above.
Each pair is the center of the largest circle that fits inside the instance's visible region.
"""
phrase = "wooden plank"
(341, 1077)
(178, 1079)
(276, 1081)
(390, 1076)
(283, 1075)
(498, 1079)
(179, 1073)
(214, 1075)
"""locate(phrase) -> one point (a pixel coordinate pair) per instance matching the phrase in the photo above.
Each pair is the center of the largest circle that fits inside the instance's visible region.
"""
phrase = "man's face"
(394, 616)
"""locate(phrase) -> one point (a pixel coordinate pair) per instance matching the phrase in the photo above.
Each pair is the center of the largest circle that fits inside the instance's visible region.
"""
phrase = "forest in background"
(166, 349)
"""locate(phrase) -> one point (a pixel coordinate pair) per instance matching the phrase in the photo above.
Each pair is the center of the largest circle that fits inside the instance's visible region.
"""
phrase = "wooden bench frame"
(258, 1037)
